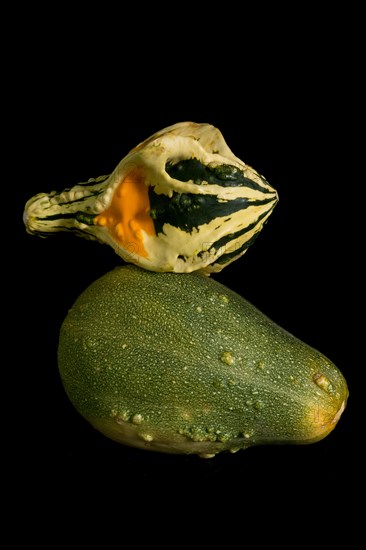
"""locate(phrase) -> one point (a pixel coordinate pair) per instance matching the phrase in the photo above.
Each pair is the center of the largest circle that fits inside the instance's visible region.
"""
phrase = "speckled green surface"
(180, 363)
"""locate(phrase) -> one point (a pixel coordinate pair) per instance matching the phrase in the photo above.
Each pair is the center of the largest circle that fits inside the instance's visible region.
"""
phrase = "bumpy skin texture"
(180, 201)
(181, 364)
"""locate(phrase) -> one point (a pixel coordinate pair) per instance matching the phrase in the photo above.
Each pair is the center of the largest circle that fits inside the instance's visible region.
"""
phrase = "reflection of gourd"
(181, 364)
(179, 201)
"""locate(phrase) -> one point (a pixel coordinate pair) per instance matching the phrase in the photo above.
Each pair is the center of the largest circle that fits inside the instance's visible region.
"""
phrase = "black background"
(288, 113)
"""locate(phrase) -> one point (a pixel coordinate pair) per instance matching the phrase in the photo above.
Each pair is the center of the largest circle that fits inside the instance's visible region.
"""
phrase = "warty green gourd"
(182, 364)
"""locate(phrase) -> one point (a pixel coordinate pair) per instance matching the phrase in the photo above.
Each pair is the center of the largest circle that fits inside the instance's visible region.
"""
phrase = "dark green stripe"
(81, 217)
(188, 211)
(233, 236)
(225, 175)
(230, 255)
(92, 194)
(225, 257)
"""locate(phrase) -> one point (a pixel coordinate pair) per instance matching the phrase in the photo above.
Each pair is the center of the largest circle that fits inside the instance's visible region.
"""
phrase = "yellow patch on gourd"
(127, 217)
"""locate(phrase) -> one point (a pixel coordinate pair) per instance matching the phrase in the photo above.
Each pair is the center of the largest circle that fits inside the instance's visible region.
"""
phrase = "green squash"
(182, 364)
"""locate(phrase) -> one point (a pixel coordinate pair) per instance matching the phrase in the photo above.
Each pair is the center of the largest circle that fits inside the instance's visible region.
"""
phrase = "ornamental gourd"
(181, 364)
(180, 201)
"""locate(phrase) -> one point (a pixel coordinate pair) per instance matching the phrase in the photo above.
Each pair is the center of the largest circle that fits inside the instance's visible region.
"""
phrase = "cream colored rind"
(172, 248)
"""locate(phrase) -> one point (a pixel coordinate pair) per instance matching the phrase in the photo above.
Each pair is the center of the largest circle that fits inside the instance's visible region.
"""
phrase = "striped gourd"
(180, 201)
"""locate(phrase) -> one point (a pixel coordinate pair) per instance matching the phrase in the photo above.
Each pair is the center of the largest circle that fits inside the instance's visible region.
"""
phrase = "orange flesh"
(128, 214)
